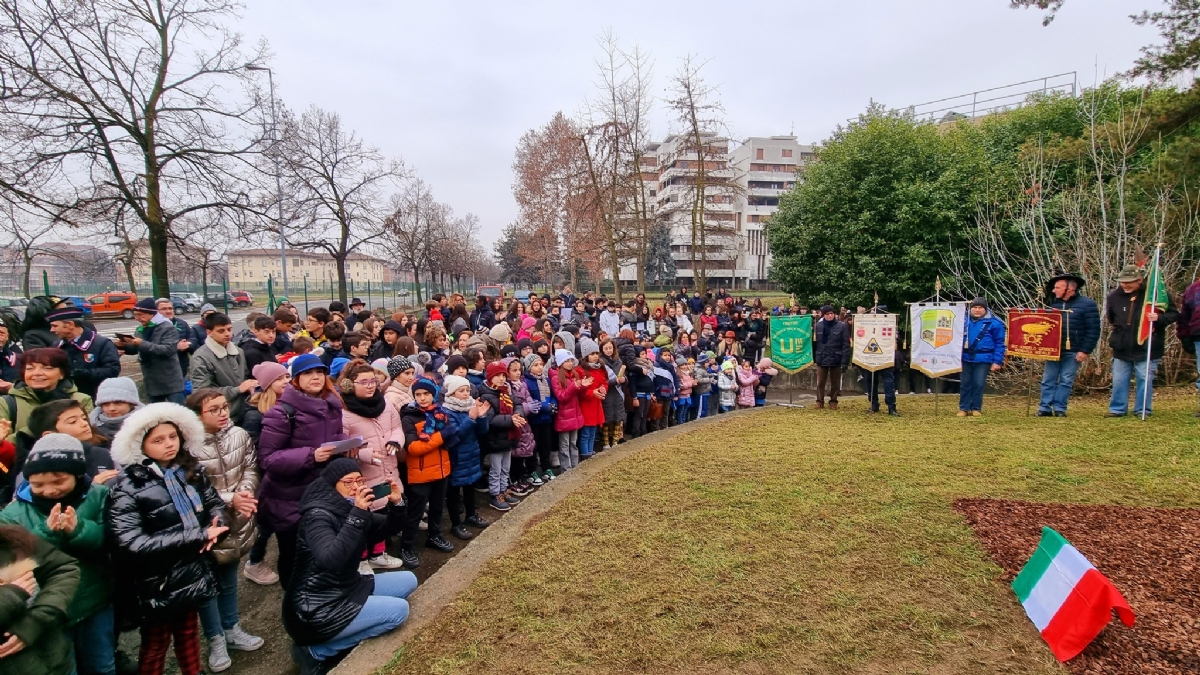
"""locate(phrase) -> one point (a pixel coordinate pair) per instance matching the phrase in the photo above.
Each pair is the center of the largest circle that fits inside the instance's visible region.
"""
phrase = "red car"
(241, 298)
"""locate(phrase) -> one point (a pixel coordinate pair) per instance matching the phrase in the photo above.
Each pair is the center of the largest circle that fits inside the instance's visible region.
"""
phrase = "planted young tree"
(142, 108)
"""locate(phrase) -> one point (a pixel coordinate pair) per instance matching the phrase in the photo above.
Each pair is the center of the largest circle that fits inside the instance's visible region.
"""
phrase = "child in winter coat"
(116, 398)
(66, 416)
(703, 388)
(747, 379)
(613, 430)
(591, 402)
(40, 582)
(367, 414)
(727, 384)
(683, 399)
(427, 433)
(641, 386)
(230, 462)
(666, 386)
(59, 504)
(504, 428)
(469, 422)
(524, 464)
(766, 373)
(544, 407)
(164, 517)
(568, 390)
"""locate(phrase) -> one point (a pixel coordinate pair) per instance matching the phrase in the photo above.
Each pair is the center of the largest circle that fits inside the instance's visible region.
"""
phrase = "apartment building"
(252, 267)
(742, 191)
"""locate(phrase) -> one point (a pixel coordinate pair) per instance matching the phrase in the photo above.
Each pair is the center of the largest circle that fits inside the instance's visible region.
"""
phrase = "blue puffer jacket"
(984, 340)
(1082, 319)
(464, 455)
(549, 404)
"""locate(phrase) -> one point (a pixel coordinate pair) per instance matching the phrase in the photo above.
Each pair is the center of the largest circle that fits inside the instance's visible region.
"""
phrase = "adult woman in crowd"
(230, 462)
(331, 607)
(45, 374)
(293, 450)
(368, 415)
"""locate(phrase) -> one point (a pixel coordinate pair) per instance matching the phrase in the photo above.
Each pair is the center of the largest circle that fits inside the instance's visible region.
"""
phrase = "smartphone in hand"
(382, 490)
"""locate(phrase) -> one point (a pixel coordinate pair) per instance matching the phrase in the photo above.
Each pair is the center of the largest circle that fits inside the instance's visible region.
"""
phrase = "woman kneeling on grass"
(329, 608)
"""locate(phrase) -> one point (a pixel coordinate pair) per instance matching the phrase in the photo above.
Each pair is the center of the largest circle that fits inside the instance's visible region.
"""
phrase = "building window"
(787, 152)
(758, 154)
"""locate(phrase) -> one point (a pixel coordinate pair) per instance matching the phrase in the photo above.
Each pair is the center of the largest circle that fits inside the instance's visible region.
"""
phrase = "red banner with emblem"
(1035, 334)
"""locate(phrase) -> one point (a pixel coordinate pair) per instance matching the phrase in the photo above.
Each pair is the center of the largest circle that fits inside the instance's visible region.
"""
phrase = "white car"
(192, 300)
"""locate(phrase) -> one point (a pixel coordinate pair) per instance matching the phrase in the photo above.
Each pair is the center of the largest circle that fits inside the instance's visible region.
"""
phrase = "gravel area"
(1151, 554)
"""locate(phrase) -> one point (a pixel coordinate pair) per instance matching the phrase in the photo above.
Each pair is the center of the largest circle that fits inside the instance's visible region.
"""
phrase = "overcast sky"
(450, 87)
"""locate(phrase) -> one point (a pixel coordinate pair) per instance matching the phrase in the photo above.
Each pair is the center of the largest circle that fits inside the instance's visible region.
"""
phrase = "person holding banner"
(1081, 332)
(885, 375)
(1139, 325)
(983, 351)
(831, 353)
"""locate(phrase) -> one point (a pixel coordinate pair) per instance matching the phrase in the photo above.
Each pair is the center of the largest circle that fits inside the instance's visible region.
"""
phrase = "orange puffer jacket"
(428, 460)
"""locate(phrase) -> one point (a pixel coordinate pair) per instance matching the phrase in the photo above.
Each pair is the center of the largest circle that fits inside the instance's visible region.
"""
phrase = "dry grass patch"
(800, 541)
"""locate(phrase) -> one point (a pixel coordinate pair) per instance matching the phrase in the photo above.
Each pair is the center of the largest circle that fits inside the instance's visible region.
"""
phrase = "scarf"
(185, 497)
(59, 393)
(594, 366)
(435, 421)
(370, 408)
(73, 499)
(506, 408)
(458, 404)
(543, 385)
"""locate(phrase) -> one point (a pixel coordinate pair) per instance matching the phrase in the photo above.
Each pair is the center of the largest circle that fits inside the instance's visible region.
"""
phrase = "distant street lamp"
(278, 172)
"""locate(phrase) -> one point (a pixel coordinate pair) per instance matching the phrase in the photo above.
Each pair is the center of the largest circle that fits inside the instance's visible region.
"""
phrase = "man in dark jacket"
(482, 317)
(331, 607)
(1123, 311)
(93, 357)
(1188, 328)
(186, 347)
(156, 344)
(885, 376)
(831, 354)
(1081, 332)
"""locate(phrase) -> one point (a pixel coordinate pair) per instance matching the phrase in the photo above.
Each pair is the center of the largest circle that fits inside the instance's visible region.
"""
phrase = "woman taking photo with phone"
(295, 445)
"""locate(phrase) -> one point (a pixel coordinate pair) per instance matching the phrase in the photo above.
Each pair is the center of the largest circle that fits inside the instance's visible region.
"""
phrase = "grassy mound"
(802, 541)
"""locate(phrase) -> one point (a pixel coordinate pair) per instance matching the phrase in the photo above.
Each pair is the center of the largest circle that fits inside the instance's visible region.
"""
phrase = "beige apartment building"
(252, 267)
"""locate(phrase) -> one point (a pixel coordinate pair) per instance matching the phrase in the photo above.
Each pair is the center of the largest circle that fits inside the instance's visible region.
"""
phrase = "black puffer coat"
(170, 574)
(834, 351)
(499, 436)
(327, 591)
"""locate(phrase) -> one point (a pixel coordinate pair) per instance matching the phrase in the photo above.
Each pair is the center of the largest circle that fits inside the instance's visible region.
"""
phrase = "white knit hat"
(453, 383)
(117, 390)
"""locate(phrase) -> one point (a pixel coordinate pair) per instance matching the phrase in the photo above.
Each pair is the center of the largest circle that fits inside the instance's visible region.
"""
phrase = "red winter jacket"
(592, 407)
(570, 415)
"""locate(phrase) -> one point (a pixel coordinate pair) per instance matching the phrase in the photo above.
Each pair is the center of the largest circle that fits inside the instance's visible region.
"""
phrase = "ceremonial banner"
(791, 342)
(1035, 334)
(874, 341)
(937, 337)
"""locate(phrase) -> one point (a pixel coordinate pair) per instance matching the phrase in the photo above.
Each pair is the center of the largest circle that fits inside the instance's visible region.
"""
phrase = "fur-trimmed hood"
(127, 444)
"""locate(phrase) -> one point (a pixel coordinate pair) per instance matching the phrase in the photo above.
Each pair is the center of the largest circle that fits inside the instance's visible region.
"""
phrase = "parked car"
(79, 302)
(113, 304)
(491, 291)
(233, 298)
(241, 298)
(191, 300)
(403, 293)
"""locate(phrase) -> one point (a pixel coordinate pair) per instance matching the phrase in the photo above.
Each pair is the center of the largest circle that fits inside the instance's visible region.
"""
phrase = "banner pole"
(937, 389)
(1029, 395)
(1150, 339)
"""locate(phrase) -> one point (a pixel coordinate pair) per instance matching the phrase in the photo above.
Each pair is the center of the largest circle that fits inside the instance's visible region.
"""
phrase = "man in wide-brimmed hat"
(1123, 311)
(1081, 332)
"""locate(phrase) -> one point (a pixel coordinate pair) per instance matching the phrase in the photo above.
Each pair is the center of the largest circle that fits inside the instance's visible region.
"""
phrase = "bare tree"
(24, 234)
(409, 228)
(338, 187)
(111, 105)
(202, 240)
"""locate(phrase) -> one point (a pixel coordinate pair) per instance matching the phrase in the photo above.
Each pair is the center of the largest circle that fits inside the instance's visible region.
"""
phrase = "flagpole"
(1150, 339)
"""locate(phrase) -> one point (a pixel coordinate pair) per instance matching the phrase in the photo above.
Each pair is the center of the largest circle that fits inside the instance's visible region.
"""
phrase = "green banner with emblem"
(791, 342)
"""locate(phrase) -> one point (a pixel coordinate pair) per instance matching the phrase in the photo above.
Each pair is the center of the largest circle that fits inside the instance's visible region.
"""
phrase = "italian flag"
(1068, 600)
(1155, 301)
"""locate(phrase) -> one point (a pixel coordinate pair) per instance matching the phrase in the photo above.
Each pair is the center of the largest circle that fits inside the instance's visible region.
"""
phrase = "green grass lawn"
(802, 541)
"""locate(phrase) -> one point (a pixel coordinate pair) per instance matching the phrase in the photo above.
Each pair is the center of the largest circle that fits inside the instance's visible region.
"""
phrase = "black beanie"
(455, 361)
(56, 453)
(339, 469)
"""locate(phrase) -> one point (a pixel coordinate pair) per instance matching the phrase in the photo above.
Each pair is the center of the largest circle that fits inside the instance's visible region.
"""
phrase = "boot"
(833, 405)
(218, 655)
(820, 405)
(308, 664)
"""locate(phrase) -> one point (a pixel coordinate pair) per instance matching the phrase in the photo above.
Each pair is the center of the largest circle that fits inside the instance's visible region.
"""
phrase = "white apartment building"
(744, 190)
(251, 267)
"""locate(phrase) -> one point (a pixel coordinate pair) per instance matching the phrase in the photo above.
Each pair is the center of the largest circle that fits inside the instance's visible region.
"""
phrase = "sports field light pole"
(278, 173)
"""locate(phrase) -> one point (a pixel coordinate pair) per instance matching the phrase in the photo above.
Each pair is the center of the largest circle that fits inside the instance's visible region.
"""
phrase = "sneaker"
(550, 475)
(307, 663)
(218, 655)
(962, 413)
(365, 570)
(461, 532)
(1044, 413)
(1113, 414)
(239, 639)
(409, 558)
(518, 489)
(1060, 413)
(976, 413)
(535, 480)
(439, 542)
(512, 499)
(477, 521)
(424, 524)
(498, 503)
(260, 574)
(893, 413)
(385, 561)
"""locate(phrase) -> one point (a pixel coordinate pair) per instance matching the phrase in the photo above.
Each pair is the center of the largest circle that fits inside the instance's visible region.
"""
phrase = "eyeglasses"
(353, 481)
(217, 411)
(366, 383)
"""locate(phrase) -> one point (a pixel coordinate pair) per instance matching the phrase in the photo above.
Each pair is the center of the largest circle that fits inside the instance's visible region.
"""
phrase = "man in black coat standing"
(831, 354)
(93, 357)
(156, 344)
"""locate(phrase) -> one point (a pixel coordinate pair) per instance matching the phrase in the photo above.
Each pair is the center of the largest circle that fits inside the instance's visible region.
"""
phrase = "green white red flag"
(1156, 299)
(1066, 597)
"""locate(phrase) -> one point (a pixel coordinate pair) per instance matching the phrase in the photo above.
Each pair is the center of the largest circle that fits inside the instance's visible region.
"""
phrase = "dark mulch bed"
(1152, 555)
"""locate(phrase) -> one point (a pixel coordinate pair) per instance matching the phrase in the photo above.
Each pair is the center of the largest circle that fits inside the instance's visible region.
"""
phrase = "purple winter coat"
(570, 414)
(285, 454)
(519, 391)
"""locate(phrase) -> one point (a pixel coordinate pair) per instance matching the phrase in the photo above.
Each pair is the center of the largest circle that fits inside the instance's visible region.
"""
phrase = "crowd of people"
(347, 436)
(343, 435)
